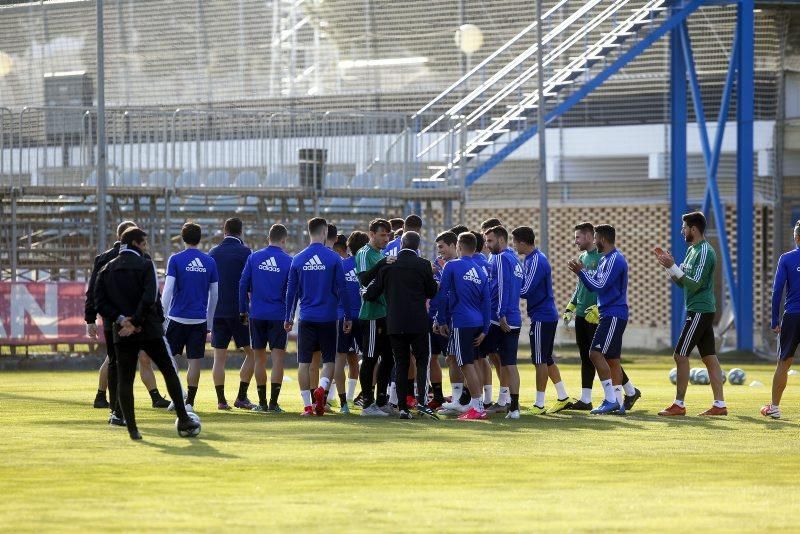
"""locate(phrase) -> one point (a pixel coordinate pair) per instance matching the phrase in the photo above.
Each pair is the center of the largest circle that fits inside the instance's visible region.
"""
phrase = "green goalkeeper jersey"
(698, 279)
(366, 258)
(582, 298)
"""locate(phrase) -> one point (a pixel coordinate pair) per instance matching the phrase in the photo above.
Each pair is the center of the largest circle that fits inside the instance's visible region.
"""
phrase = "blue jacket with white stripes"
(506, 275)
(317, 284)
(537, 288)
(265, 276)
(466, 288)
(610, 282)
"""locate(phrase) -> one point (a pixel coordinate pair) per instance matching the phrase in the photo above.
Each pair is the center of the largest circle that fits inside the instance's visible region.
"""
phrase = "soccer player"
(317, 284)
(482, 363)
(127, 290)
(787, 277)
(413, 223)
(264, 278)
(467, 313)
(348, 344)
(396, 223)
(504, 398)
(696, 276)
(190, 299)
(610, 282)
(506, 285)
(537, 290)
(376, 344)
(581, 307)
(230, 256)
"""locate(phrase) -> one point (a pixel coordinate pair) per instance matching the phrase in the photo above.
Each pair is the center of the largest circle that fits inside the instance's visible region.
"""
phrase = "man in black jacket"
(407, 284)
(126, 292)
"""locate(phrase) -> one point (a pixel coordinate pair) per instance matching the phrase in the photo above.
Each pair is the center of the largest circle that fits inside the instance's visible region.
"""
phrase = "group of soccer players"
(255, 298)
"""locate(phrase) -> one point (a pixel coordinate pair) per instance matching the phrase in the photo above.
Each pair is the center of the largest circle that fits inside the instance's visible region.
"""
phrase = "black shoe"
(100, 402)
(405, 414)
(161, 402)
(188, 428)
(630, 400)
(359, 400)
(134, 434)
(424, 411)
(115, 420)
(580, 405)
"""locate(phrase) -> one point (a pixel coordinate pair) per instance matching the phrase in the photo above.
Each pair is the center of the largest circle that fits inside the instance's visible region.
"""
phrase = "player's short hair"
(332, 231)
(376, 224)
(410, 240)
(124, 225)
(277, 233)
(585, 227)
(479, 241)
(797, 229)
(448, 237)
(132, 235)
(459, 229)
(356, 241)
(498, 232)
(607, 232)
(490, 223)
(398, 232)
(696, 219)
(317, 225)
(397, 223)
(191, 233)
(468, 242)
(413, 222)
(233, 226)
(341, 242)
(524, 234)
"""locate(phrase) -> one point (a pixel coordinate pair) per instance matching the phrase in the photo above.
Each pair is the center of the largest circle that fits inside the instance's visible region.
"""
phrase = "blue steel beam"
(672, 22)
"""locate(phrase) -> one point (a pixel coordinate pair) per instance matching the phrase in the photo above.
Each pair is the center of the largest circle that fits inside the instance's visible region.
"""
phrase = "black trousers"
(111, 352)
(377, 350)
(127, 356)
(584, 333)
(403, 345)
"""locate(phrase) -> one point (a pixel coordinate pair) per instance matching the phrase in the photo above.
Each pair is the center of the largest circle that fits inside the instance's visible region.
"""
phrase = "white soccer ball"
(693, 375)
(192, 433)
(724, 376)
(673, 375)
(702, 378)
(736, 376)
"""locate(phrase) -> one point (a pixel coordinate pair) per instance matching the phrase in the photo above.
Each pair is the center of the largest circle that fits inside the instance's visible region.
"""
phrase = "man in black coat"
(407, 284)
(126, 291)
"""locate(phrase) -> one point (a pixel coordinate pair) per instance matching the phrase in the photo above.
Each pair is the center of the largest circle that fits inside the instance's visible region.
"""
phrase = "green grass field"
(64, 469)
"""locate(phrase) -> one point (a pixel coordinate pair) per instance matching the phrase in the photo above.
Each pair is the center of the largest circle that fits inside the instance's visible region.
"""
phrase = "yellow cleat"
(538, 410)
(563, 404)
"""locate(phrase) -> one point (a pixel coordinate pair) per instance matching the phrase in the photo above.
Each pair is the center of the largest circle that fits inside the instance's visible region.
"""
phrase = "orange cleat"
(472, 413)
(673, 411)
(319, 401)
(715, 411)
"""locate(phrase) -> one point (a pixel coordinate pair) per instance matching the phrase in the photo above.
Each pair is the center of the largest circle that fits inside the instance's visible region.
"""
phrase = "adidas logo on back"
(351, 276)
(518, 271)
(196, 266)
(314, 264)
(269, 265)
(472, 276)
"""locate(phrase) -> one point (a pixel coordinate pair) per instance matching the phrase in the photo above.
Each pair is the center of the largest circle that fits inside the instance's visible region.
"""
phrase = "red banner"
(42, 313)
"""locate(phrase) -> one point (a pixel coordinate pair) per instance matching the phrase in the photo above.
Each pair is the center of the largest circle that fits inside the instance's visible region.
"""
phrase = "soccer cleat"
(621, 410)
(494, 408)
(513, 414)
(244, 404)
(447, 411)
(607, 407)
(223, 406)
(100, 402)
(673, 411)
(134, 434)
(424, 411)
(390, 409)
(630, 400)
(582, 406)
(715, 411)
(275, 408)
(538, 410)
(319, 401)
(411, 402)
(561, 404)
(115, 420)
(770, 410)
(373, 411)
(161, 402)
(472, 414)
(344, 409)
(435, 404)
(308, 411)
(405, 414)
(260, 408)
(455, 407)
(359, 401)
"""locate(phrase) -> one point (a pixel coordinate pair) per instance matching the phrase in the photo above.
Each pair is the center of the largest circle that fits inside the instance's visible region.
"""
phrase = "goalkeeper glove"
(592, 314)
(569, 313)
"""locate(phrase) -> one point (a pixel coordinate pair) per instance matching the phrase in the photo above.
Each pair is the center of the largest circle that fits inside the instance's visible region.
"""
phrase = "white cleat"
(513, 414)
(373, 411)
(770, 410)
(455, 407)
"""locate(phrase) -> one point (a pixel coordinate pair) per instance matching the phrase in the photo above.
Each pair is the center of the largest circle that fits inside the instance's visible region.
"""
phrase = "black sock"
(101, 394)
(382, 399)
(625, 378)
(466, 397)
(243, 390)
(438, 396)
(343, 399)
(275, 390)
(262, 394)
(221, 394)
(514, 402)
(191, 392)
(154, 394)
(410, 387)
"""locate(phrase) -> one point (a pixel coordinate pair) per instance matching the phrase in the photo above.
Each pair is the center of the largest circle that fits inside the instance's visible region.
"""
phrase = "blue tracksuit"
(786, 275)
(610, 282)
(317, 284)
(506, 275)
(194, 272)
(265, 277)
(230, 256)
(466, 289)
(537, 288)
(482, 262)
(353, 288)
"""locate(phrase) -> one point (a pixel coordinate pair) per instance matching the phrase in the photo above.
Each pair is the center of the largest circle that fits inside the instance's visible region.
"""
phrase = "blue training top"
(265, 277)
(466, 288)
(317, 284)
(537, 288)
(194, 272)
(230, 256)
(506, 281)
(786, 275)
(353, 288)
(610, 282)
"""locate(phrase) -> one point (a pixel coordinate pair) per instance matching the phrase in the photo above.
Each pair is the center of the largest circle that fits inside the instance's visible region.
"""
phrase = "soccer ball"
(192, 433)
(673, 375)
(736, 376)
(693, 375)
(702, 378)
(724, 376)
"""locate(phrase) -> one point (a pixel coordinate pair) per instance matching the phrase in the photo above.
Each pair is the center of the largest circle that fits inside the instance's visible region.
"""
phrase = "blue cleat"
(607, 407)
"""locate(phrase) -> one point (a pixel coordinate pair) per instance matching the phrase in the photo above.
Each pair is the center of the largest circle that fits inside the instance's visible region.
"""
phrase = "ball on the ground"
(693, 375)
(724, 376)
(192, 433)
(702, 378)
(673, 375)
(736, 376)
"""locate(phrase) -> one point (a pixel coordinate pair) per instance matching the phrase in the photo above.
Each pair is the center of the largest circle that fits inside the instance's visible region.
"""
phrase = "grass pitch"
(64, 469)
